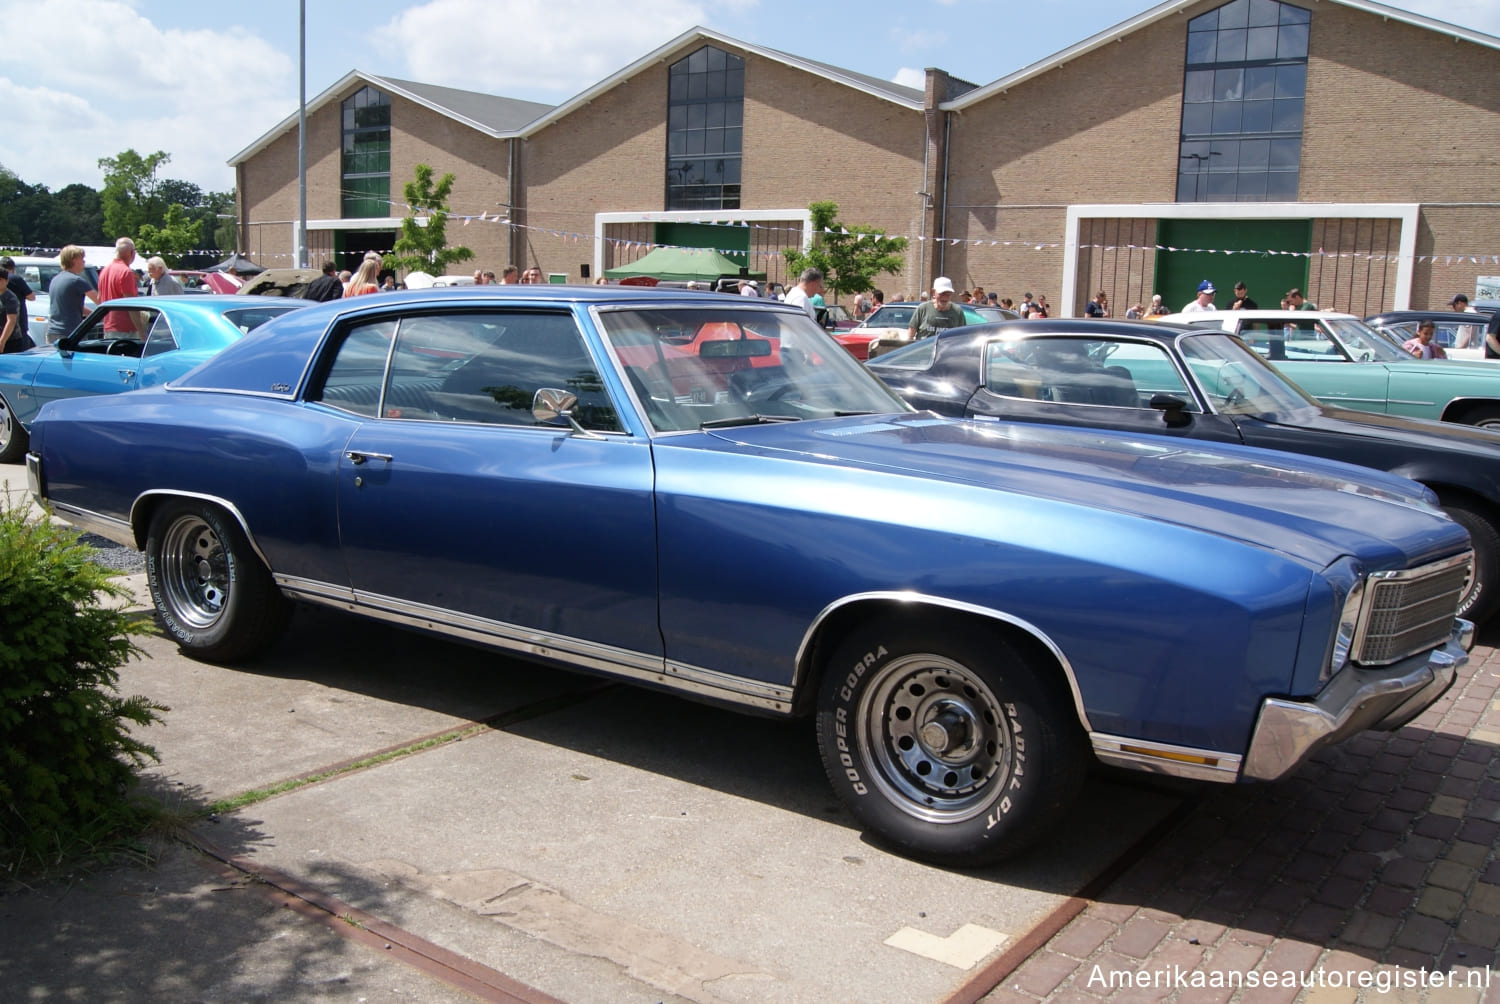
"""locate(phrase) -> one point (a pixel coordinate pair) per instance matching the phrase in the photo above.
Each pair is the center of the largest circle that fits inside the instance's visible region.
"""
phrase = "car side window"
(1290, 341)
(475, 367)
(159, 338)
(354, 379)
(1061, 370)
(495, 363)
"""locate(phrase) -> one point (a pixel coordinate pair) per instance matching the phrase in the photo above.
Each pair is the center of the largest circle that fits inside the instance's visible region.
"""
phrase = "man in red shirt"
(116, 281)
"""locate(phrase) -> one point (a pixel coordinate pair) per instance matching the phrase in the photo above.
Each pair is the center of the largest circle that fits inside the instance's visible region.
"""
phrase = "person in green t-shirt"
(938, 313)
(1295, 301)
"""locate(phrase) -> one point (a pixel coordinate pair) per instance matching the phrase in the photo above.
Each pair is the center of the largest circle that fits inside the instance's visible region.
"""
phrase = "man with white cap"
(749, 287)
(937, 313)
(1203, 301)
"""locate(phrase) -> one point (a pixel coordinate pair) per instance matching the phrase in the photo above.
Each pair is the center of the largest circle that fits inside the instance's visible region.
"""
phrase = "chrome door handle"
(357, 457)
(126, 375)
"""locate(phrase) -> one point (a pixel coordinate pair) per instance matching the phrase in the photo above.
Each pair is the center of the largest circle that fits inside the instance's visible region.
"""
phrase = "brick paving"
(1376, 862)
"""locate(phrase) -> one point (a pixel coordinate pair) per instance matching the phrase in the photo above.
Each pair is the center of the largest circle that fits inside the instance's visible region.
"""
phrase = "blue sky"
(90, 78)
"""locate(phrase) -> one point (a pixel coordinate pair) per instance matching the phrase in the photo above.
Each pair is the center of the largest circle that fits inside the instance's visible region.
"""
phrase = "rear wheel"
(1481, 595)
(212, 594)
(1485, 416)
(13, 437)
(947, 741)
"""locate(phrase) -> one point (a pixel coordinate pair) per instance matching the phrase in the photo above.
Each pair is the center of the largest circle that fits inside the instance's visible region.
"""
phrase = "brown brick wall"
(805, 139)
(1394, 114)
(479, 164)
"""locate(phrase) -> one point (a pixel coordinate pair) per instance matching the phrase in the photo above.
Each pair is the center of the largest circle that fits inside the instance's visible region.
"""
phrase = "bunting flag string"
(1447, 258)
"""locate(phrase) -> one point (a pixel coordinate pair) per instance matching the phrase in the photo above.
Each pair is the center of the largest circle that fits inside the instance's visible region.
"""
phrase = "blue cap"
(1205, 286)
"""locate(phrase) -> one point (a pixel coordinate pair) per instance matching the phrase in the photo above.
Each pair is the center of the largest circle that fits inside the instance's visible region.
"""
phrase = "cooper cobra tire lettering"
(946, 741)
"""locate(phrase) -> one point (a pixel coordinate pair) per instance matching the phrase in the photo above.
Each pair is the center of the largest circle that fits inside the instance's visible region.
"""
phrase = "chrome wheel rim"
(194, 572)
(935, 738)
(7, 425)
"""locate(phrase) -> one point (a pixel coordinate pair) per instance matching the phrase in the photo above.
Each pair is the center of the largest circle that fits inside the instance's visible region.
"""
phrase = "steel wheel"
(936, 735)
(946, 739)
(194, 572)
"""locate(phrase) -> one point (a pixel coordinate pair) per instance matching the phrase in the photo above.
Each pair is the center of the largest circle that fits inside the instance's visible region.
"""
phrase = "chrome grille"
(1409, 611)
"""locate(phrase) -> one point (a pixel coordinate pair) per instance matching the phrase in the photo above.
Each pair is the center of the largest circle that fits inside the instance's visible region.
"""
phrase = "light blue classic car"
(709, 495)
(1342, 361)
(160, 337)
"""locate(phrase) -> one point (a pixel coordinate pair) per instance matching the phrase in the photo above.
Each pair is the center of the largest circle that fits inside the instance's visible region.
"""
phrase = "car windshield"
(695, 367)
(1365, 343)
(1236, 380)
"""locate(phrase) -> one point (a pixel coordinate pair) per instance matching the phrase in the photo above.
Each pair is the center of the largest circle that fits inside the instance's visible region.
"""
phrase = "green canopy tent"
(681, 265)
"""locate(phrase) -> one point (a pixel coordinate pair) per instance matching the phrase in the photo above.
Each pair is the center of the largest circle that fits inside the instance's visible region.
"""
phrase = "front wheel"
(212, 594)
(948, 742)
(1481, 593)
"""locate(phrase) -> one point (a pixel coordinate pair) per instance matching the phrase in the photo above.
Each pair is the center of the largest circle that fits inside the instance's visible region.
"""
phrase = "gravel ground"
(111, 555)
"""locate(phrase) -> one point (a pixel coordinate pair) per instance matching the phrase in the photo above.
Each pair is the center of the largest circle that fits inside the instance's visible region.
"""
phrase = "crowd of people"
(938, 308)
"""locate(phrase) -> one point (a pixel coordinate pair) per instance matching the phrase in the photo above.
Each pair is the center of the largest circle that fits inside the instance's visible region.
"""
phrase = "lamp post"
(301, 240)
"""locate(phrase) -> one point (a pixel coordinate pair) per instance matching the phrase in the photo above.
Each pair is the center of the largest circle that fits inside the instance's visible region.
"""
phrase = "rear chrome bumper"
(1288, 731)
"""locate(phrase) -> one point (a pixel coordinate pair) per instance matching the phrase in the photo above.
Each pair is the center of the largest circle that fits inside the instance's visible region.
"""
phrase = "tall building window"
(705, 123)
(366, 179)
(1242, 100)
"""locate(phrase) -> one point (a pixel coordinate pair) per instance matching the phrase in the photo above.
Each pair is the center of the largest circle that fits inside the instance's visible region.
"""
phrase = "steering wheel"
(767, 393)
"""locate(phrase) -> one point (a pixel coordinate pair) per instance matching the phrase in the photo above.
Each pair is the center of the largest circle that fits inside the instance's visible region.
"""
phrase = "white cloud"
(545, 51)
(908, 77)
(107, 79)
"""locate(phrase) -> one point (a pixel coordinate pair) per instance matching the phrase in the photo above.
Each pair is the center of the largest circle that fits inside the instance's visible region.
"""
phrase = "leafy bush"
(67, 758)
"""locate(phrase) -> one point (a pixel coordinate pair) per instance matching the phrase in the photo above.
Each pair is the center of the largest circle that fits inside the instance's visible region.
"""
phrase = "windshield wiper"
(726, 423)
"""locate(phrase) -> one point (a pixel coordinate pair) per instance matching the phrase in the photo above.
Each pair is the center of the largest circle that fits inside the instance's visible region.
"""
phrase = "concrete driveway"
(522, 829)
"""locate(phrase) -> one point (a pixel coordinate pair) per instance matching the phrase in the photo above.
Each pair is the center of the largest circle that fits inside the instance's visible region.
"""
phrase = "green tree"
(850, 257)
(132, 192)
(426, 248)
(177, 234)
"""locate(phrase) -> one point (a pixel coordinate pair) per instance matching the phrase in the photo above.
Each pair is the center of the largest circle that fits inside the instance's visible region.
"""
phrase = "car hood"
(1266, 498)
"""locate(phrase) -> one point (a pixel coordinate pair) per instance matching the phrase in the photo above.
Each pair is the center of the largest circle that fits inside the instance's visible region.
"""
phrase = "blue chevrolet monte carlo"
(707, 494)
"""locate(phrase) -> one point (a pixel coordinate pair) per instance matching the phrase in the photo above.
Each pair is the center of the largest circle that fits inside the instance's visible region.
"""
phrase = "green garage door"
(1267, 276)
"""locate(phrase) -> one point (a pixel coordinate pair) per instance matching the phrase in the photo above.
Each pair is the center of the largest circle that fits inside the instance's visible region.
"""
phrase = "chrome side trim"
(910, 596)
(579, 652)
(1165, 758)
(1288, 731)
(108, 527)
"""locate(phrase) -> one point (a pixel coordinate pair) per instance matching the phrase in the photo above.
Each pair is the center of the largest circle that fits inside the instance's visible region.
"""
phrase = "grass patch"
(254, 795)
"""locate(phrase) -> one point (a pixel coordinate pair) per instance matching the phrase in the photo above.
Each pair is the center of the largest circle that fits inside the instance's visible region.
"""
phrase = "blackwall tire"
(1482, 595)
(213, 595)
(13, 437)
(947, 742)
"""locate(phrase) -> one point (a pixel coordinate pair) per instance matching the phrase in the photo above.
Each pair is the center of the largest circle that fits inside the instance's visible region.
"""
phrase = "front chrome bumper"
(1288, 731)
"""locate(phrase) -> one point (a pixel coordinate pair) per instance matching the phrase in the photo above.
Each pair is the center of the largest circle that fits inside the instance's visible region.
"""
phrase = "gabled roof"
(907, 97)
(488, 113)
(1171, 7)
(503, 118)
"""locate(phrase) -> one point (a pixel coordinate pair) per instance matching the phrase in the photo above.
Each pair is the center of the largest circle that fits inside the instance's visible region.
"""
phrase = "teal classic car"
(1342, 361)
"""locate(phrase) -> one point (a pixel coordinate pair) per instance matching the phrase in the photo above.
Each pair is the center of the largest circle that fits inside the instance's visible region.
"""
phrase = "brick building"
(1343, 146)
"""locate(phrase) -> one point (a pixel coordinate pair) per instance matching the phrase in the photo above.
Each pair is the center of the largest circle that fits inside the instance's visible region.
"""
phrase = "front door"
(456, 504)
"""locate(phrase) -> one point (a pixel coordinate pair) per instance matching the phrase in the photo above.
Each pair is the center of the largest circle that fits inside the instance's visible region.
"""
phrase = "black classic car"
(1199, 384)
